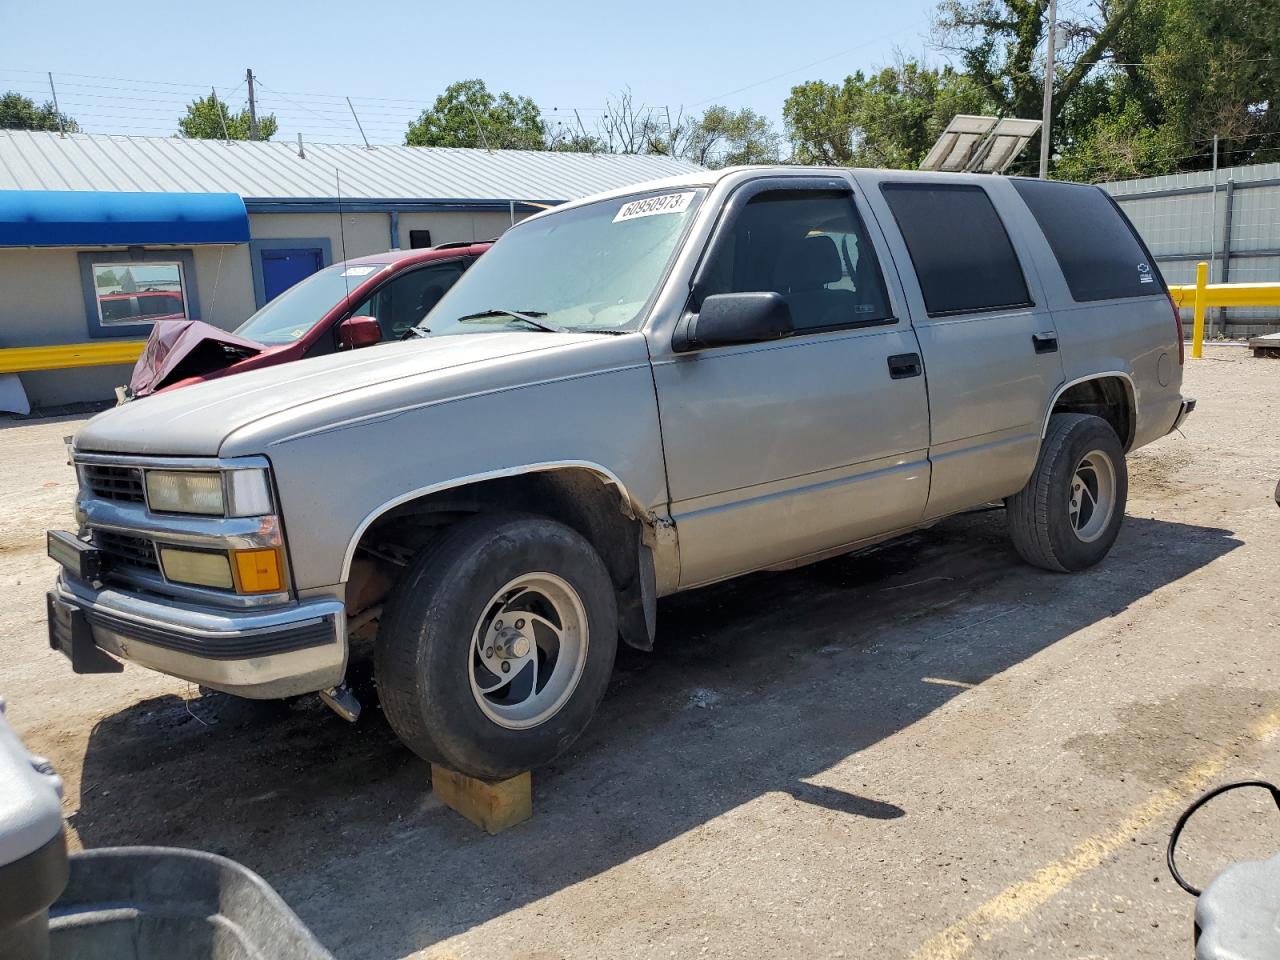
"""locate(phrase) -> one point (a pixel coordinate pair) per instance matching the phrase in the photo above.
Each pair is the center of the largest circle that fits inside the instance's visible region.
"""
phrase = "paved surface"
(929, 751)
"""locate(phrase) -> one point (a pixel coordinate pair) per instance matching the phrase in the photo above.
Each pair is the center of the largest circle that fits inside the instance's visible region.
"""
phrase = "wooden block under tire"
(492, 805)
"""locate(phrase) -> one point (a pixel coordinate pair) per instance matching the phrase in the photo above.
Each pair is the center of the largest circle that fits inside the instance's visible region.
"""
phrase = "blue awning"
(89, 218)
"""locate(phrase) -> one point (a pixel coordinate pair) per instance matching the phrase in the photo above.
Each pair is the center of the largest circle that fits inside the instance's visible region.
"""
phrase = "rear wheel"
(498, 645)
(1068, 515)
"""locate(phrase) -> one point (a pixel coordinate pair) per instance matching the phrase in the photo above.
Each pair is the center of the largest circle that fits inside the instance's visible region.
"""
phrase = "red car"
(357, 303)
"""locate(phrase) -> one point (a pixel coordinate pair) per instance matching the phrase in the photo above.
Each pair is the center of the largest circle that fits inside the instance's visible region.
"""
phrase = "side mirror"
(729, 318)
(356, 332)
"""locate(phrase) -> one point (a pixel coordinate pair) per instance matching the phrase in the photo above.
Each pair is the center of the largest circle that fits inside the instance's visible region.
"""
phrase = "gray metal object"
(160, 903)
(729, 459)
(33, 853)
(1238, 915)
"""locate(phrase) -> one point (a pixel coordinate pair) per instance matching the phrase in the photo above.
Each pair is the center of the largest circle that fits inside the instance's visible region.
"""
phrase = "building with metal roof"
(236, 223)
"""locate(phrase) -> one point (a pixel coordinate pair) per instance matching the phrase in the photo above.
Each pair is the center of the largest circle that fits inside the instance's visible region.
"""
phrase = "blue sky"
(131, 67)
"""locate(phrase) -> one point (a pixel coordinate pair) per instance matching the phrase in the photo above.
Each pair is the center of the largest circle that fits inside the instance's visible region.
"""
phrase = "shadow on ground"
(757, 686)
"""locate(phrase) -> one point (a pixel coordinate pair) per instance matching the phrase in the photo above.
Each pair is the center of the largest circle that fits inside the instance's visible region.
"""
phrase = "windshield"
(589, 268)
(290, 315)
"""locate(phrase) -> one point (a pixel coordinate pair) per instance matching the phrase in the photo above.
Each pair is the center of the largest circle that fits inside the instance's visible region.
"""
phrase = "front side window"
(404, 300)
(961, 253)
(293, 313)
(143, 292)
(812, 249)
(593, 267)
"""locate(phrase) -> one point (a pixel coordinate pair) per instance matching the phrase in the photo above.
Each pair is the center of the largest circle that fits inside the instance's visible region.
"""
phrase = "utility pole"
(253, 106)
(1213, 233)
(58, 113)
(1046, 114)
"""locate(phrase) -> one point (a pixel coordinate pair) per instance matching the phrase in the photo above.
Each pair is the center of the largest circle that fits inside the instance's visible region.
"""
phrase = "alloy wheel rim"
(528, 651)
(1091, 500)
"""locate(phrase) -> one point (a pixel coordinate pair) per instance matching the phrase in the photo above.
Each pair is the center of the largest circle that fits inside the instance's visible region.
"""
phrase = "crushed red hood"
(178, 349)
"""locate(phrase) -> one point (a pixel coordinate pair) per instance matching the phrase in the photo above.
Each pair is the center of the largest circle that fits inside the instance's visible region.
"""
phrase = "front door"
(281, 269)
(779, 451)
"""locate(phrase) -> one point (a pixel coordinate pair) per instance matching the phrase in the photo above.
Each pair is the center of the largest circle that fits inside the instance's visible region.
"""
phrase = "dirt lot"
(929, 751)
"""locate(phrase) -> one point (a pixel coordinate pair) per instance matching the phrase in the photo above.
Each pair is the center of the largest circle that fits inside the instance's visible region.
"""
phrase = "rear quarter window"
(1095, 245)
(961, 252)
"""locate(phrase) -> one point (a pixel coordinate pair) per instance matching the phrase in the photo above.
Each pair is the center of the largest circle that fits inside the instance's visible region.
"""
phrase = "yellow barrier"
(1202, 294)
(66, 356)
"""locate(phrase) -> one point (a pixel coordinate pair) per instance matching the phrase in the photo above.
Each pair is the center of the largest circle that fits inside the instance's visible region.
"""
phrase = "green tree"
(1179, 72)
(724, 138)
(1001, 45)
(206, 116)
(887, 119)
(466, 108)
(21, 113)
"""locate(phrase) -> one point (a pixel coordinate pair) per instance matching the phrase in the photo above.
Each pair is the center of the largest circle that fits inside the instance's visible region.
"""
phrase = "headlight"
(245, 493)
(185, 491)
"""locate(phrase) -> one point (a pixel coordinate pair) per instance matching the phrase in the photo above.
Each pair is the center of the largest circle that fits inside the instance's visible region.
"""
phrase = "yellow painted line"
(69, 355)
(1017, 902)
(944, 682)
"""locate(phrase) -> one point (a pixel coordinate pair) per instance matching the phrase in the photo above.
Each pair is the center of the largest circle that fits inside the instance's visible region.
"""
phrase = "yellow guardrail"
(69, 355)
(1202, 294)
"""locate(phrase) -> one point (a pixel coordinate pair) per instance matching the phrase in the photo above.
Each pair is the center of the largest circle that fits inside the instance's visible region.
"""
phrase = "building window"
(127, 291)
(130, 293)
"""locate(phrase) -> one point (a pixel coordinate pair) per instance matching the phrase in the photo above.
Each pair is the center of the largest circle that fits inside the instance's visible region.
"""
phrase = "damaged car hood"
(178, 349)
(249, 412)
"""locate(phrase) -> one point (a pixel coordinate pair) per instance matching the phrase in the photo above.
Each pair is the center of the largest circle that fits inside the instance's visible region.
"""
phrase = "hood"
(178, 349)
(263, 406)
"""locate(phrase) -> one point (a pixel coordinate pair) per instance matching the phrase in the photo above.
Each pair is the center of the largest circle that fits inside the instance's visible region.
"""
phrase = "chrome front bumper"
(261, 654)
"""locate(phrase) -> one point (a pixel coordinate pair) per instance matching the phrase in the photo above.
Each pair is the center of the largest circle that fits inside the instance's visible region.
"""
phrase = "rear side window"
(1100, 255)
(959, 248)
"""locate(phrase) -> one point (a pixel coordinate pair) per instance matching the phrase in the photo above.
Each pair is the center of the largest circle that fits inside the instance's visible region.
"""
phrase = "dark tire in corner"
(497, 644)
(1068, 515)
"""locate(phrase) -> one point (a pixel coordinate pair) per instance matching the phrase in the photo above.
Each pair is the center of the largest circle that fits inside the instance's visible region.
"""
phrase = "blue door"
(281, 269)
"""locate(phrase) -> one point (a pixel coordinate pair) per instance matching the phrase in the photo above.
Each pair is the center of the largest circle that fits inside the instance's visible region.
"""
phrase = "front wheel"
(497, 645)
(1068, 515)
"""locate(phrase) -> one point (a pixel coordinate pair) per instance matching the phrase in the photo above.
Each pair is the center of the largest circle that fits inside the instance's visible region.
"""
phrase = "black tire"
(1039, 515)
(424, 650)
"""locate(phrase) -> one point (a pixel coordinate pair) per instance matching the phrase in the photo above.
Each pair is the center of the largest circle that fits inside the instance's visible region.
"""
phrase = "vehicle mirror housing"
(730, 318)
(355, 332)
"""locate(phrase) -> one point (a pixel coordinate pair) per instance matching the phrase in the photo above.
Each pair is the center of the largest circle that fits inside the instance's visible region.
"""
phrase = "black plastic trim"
(260, 643)
(30, 884)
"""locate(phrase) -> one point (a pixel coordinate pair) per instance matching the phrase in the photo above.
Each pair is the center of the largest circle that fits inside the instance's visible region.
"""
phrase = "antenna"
(342, 236)
(479, 129)
(217, 105)
(358, 126)
(62, 130)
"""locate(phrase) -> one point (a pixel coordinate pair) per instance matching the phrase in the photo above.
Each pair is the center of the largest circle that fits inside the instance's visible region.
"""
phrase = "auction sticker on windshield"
(651, 206)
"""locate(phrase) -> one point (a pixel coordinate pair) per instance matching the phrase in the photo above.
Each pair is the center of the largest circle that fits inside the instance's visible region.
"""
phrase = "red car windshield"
(293, 313)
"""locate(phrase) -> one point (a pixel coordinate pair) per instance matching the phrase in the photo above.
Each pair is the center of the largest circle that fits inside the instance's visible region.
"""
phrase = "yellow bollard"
(1197, 322)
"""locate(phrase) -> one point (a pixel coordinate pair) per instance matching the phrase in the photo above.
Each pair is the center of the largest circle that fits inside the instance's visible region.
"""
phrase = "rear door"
(777, 451)
(1109, 302)
(988, 339)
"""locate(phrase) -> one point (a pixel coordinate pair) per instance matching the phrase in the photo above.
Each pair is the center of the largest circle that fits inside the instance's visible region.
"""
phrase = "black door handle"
(903, 365)
(1045, 342)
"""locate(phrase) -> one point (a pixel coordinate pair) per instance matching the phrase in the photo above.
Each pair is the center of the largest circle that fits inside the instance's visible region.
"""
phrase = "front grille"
(120, 549)
(114, 483)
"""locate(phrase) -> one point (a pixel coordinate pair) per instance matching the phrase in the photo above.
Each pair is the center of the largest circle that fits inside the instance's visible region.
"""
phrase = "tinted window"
(402, 302)
(958, 245)
(1096, 248)
(809, 247)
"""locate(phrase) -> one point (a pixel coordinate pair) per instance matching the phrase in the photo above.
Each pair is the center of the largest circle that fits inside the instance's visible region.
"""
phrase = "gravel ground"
(927, 751)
